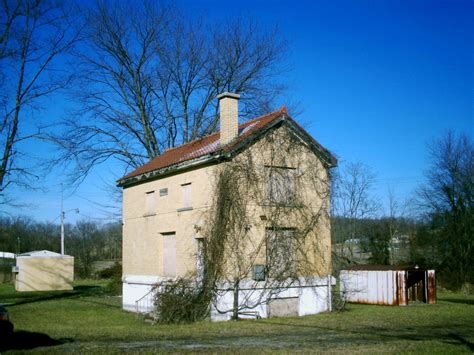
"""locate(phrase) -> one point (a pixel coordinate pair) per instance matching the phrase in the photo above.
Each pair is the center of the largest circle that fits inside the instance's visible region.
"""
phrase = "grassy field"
(88, 320)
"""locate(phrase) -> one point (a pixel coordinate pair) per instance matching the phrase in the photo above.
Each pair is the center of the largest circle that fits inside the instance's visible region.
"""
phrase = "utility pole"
(62, 221)
(63, 215)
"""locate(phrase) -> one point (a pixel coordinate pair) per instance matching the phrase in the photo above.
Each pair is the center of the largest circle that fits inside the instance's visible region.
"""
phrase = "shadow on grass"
(39, 296)
(23, 340)
(458, 300)
(377, 334)
(461, 340)
(105, 304)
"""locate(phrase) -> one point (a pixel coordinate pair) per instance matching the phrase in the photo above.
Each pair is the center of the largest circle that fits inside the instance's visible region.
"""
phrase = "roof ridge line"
(281, 110)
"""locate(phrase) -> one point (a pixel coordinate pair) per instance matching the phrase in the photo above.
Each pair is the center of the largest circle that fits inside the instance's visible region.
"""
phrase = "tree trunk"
(235, 310)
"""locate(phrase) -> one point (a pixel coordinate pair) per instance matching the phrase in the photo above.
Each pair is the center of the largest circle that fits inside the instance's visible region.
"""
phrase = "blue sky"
(376, 81)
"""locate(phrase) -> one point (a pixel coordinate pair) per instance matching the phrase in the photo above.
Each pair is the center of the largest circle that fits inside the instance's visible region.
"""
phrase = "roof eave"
(329, 160)
(153, 174)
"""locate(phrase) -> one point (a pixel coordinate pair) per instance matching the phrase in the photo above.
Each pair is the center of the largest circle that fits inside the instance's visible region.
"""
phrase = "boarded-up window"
(150, 203)
(187, 193)
(281, 185)
(169, 254)
(280, 248)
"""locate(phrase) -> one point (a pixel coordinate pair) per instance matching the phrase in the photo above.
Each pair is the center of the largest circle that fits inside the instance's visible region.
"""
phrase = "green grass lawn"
(88, 320)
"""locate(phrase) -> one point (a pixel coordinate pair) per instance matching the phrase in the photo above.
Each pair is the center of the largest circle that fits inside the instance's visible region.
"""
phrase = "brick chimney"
(229, 116)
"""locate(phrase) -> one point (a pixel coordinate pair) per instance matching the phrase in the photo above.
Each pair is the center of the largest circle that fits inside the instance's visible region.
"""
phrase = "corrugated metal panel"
(402, 291)
(374, 287)
(431, 299)
(388, 287)
(354, 286)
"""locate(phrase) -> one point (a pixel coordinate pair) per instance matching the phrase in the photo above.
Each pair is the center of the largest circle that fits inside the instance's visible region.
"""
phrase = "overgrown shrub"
(180, 301)
(6, 273)
(114, 274)
(113, 271)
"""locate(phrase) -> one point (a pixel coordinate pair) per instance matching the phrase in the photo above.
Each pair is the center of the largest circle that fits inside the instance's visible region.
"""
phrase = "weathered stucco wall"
(144, 234)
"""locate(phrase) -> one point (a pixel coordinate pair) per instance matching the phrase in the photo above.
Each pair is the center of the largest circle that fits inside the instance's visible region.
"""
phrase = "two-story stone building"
(166, 200)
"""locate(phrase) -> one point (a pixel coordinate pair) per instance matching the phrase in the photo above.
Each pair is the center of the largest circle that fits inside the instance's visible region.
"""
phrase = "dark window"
(258, 272)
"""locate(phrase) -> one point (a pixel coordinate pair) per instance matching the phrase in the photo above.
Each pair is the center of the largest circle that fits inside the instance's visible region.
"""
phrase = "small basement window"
(258, 273)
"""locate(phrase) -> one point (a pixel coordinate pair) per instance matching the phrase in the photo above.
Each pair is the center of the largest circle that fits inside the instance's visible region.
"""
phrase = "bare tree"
(86, 240)
(150, 76)
(448, 197)
(34, 35)
(352, 201)
(118, 116)
(398, 228)
(11, 10)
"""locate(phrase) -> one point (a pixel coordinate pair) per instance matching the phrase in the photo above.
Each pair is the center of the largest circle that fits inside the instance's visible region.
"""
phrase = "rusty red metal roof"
(209, 148)
(206, 145)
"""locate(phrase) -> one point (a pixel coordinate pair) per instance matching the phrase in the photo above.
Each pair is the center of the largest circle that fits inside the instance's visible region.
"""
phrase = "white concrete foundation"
(310, 295)
(137, 288)
(307, 296)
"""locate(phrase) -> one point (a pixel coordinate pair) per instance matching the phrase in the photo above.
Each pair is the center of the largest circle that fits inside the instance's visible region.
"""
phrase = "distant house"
(165, 199)
(43, 270)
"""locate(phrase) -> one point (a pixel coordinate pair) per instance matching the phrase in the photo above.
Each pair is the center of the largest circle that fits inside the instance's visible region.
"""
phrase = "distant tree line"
(435, 229)
(87, 241)
(376, 243)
